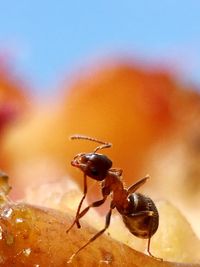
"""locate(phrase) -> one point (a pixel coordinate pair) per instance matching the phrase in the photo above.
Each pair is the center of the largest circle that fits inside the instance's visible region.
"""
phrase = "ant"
(138, 212)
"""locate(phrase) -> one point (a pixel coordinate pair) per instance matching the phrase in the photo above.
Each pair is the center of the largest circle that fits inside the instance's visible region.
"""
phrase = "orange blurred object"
(12, 96)
(13, 103)
(133, 108)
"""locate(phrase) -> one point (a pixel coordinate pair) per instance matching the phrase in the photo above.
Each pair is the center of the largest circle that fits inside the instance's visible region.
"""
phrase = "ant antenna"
(84, 137)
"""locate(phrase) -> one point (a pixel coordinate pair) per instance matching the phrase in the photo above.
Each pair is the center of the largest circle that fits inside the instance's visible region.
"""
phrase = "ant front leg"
(79, 206)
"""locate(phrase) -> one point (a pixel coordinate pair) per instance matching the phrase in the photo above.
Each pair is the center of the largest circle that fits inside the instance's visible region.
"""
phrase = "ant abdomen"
(142, 219)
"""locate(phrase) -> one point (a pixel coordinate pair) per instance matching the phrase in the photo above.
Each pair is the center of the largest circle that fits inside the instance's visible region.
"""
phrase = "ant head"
(93, 165)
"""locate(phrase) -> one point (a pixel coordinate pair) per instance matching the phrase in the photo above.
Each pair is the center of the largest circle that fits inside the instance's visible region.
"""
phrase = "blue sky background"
(47, 39)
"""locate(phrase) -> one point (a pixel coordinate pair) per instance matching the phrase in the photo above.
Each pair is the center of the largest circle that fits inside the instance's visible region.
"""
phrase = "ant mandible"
(138, 212)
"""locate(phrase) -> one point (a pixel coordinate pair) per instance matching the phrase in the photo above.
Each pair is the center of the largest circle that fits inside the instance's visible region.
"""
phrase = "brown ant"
(139, 212)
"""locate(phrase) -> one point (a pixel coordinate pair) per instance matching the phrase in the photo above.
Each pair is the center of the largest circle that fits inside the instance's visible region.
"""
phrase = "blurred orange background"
(149, 116)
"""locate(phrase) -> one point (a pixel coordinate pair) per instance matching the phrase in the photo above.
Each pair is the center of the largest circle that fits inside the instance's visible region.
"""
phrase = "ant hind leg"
(149, 252)
(83, 212)
(148, 246)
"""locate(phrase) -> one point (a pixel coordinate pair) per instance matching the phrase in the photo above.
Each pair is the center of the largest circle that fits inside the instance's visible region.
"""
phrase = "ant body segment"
(138, 212)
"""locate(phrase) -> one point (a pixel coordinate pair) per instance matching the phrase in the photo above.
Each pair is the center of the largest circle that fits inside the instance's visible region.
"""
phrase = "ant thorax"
(119, 195)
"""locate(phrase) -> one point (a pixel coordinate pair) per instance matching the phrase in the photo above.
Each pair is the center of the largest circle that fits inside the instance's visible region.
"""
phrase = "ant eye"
(94, 171)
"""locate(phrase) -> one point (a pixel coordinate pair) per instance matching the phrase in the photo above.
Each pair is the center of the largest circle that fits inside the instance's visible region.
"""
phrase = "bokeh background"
(48, 40)
(126, 72)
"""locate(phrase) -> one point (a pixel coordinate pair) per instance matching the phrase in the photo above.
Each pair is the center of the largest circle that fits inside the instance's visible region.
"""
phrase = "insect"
(138, 212)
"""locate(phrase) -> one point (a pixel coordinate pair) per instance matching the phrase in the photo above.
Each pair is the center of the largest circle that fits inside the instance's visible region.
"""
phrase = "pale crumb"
(174, 240)
(63, 195)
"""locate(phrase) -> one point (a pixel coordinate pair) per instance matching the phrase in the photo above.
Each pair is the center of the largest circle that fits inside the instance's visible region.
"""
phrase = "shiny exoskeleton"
(141, 225)
(139, 212)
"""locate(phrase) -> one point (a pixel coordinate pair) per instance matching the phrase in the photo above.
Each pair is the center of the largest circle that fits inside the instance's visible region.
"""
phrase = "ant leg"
(148, 246)
(80, 215)
(144, 214)
(79, 206)
(149, 252)
(92, 205)
(139, 183)
(81, 202)
(108, 216)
